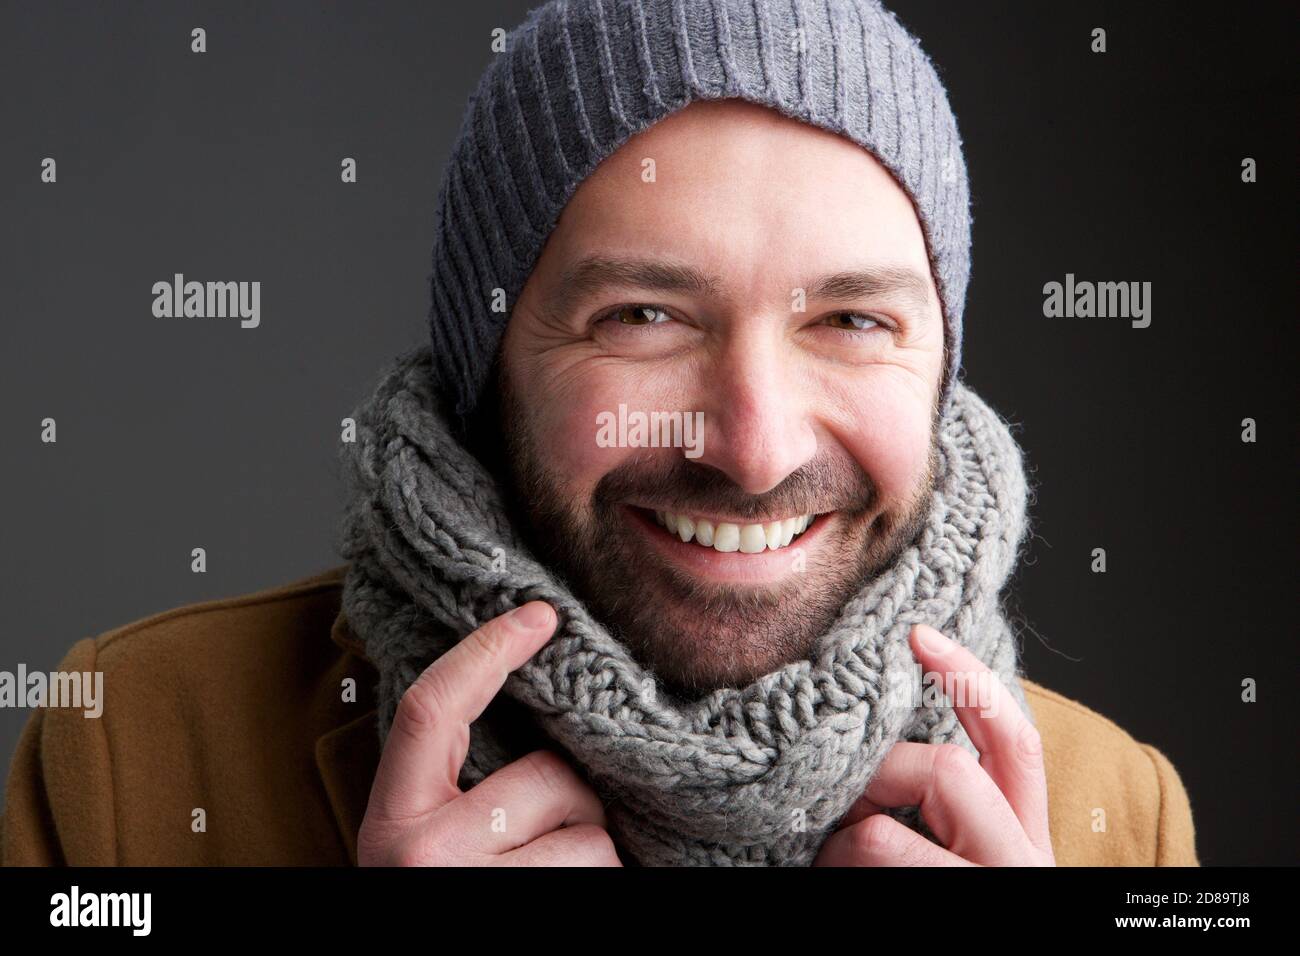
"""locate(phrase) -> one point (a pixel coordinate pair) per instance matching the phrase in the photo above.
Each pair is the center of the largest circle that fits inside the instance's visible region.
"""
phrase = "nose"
(758, 425)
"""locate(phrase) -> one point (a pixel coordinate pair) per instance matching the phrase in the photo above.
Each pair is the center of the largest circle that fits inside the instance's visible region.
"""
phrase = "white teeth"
(752, 539)
(727, 537)
(788, 528)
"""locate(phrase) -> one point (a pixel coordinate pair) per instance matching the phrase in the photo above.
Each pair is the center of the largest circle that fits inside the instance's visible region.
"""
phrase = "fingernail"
(931, 640)
(534, 615)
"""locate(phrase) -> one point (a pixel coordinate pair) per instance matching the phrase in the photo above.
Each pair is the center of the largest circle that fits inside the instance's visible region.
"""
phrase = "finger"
(959, 802)
(522, 801)
(581, 845)
(862, 808)
(880, 840)
(1011, 749)
(429, 738)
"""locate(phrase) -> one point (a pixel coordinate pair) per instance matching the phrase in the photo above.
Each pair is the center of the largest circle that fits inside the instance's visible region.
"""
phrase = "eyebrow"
(898, 282)
(596, 272)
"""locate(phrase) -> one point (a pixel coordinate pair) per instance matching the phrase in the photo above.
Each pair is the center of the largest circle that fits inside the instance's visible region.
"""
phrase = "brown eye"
(639, 315)
(851, 321)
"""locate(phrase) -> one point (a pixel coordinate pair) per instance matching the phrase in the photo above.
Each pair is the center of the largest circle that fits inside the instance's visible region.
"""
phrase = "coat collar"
(348, 754)
(347, 639)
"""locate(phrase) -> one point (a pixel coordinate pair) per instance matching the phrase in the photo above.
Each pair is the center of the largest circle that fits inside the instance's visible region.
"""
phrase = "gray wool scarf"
(753, 775)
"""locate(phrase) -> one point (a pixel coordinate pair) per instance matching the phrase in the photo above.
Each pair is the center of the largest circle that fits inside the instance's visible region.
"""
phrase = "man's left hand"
(986, 812)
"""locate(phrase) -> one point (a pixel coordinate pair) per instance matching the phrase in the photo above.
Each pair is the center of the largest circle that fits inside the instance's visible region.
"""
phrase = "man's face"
(771, 277)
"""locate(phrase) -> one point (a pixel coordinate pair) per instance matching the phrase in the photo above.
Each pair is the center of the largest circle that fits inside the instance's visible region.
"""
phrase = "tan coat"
(235, 707)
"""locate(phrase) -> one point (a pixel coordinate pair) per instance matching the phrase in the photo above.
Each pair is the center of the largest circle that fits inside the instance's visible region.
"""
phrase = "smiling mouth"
(727, 537)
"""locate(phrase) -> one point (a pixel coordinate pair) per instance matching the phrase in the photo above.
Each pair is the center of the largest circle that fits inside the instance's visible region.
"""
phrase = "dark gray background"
(225, 166)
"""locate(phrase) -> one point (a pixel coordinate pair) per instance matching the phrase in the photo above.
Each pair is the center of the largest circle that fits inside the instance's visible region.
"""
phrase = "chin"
(697, 636)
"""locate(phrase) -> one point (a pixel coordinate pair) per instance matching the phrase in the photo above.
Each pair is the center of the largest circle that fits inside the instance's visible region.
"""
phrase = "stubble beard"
(694, 635)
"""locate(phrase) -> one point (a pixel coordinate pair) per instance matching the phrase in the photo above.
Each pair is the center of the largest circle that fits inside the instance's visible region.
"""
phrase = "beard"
(696, 636)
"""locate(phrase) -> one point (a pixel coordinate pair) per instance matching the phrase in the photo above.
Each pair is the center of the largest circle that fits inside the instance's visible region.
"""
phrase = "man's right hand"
(536, 811)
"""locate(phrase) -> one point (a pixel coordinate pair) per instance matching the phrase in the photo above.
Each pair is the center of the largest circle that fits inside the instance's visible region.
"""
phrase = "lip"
(735, 567)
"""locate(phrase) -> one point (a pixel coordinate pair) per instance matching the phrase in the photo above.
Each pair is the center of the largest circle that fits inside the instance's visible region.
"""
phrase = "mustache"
(828, 482)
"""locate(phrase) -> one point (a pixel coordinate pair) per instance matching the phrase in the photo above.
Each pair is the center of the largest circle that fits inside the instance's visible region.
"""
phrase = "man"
(650, 550)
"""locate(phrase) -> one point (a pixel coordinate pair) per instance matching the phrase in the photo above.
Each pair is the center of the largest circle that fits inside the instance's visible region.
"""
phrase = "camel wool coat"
(236, 708)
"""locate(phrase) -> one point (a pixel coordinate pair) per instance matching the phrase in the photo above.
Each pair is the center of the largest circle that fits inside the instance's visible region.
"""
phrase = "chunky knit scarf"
(759, 774)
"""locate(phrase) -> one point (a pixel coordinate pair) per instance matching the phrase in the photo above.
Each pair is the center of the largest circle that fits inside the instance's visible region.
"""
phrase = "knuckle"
(873, 836)
(419, 709)
(1029, 745)
(954, 762)
(546, 771)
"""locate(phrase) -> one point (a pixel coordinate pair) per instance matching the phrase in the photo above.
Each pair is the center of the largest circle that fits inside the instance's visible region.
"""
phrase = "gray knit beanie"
(579, 77)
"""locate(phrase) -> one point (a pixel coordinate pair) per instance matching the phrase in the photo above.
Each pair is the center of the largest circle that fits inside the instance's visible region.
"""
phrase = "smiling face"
(770, 280)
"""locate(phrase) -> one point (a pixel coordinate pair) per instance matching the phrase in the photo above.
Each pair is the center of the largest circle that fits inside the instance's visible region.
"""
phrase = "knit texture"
(758, 774)
(578, 78)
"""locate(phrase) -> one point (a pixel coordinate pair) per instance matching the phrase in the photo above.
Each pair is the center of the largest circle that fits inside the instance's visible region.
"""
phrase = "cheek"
(887, 431)
(567, 414)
